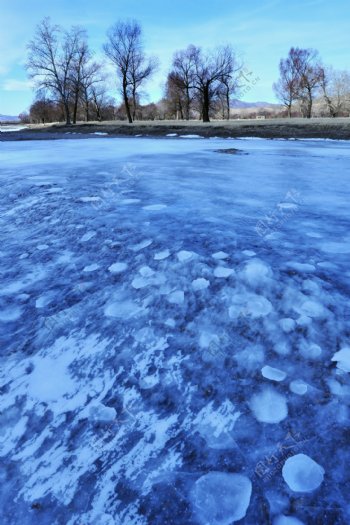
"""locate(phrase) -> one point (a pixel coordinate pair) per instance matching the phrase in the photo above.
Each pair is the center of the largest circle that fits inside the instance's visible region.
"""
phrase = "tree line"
(303, 78)
(72, 85)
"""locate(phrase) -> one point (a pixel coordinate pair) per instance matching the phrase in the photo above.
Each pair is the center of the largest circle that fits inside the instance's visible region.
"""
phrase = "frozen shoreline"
(336, 129)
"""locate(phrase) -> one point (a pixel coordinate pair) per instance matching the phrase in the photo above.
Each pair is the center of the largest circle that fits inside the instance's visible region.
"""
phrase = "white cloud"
(12, 84)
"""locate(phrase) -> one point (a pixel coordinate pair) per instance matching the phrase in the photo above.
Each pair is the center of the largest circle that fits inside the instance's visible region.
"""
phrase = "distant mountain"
(8, 118)
(240, 104)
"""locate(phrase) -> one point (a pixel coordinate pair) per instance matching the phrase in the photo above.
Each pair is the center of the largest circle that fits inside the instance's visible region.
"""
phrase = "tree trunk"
(228, 103)
(206, 103)
(67, 113)
(134, 104)
(187, 109)
(75, 109)
(309, 104)
(87, 113)
(126, 102)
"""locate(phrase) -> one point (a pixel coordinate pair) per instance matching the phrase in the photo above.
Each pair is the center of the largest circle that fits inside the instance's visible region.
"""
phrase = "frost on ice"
(221, 499)
(302, 473)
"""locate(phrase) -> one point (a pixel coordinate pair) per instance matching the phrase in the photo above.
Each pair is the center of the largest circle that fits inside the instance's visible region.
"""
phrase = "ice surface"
(268, 406)
(220, 498)
(302, 473)
(123, 386)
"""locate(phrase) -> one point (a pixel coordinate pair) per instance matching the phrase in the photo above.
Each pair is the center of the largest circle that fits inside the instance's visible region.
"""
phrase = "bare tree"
(78, 70)
(300, 79)
(141, 69)
(50, 61)
(44, 110)
(211, 71)
(92, 86)
(335, 86)
(124, 48)
(309, 71)
(287, 86)
(175, 96)
(183, 74)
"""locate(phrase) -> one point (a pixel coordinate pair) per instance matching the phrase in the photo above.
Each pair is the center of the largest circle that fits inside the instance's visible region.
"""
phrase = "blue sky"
(262, 31)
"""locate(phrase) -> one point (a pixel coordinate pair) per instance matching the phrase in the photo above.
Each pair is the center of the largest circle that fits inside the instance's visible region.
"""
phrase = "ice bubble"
(176, 297)
(118, 267)
(102, 413)
(10, 314)
(282, 348)
(87, 236)
(310, 308)
(273, 373)
(301, 267)
(91, 268)
(43, 301)
(269, 406)
(89, 199)
(184, 255)
(249, 253)
(302, 473)
(200, 284)
(154, 207)
(298, 387)
(287, 324)
(220, 255)
(342, 359)
(258, 306)
(146, 271)
(129, 201)
(219, 498)
(140, 282)
(159, 256)
(251, 358)
(141, 245)
(256, 272)
(122, 309)
(223, 272)
(310, 350)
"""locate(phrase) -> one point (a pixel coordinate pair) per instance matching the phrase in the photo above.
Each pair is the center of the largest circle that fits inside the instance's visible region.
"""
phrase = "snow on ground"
(174, 332)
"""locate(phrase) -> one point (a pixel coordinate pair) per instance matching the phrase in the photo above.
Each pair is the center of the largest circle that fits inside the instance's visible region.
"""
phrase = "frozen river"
(174, 325)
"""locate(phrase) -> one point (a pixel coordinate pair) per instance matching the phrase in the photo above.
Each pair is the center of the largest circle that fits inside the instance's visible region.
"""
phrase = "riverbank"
(327, 128)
